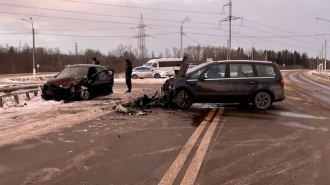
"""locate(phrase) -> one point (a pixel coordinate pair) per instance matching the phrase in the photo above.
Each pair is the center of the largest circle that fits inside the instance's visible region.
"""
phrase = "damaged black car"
(79, 82)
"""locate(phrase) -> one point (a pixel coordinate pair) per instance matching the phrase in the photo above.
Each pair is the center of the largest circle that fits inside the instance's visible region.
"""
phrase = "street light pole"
(33, 53)
(185, 20)
(325, 47)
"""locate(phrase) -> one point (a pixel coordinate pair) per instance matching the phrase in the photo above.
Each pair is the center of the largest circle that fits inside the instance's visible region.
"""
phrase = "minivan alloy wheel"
(183, 99)
(262, 100)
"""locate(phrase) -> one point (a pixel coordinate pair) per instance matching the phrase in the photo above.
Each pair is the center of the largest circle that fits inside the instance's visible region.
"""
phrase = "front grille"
(58, 90)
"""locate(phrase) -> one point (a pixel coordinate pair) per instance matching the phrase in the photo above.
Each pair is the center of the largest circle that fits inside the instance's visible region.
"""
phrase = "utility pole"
(266, 56)
(322, 60)
(227, 50)
(229, 19)
(253, 50)
(76, 52)
(141, 39)
(325, 46)
(33, 53)
(325, 56)
(185, 20)
(19, 47)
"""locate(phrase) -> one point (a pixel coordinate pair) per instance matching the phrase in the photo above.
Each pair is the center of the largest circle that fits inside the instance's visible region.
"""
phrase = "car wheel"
(183, 99)
(134, 76)
(157, 76)
(262, 100)
(85, 95)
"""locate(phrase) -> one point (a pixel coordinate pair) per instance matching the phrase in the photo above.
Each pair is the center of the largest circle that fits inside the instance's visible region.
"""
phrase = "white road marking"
(173, 171)
(193, 169)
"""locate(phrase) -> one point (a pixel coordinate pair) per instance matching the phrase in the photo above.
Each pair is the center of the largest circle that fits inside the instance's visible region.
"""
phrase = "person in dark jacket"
(96, 62)
(128, 74)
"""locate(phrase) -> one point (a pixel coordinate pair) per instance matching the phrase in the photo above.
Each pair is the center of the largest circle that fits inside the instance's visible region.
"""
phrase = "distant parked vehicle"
(148, 72)
(165, 64)
(81, 81)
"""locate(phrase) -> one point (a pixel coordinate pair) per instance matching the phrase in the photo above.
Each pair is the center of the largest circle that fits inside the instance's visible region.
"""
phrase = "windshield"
(197, 67)
(73, 72)
(148, 64)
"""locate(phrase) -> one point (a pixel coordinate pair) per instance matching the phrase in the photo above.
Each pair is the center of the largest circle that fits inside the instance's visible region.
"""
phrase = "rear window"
(241, 71)
(265, 70)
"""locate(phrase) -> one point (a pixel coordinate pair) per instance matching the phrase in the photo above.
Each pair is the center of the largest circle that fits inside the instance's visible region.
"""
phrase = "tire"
(262, 100)
(85, 95)
(157, 76)
(108, 91)
(134, 76)
(45, 97)
(183, 99)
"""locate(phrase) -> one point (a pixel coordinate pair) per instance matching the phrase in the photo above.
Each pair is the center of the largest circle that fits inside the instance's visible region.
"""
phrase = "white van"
(165, 64)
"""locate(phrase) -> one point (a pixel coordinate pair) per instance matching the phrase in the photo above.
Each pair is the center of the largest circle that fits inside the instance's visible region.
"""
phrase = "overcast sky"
(294, 17)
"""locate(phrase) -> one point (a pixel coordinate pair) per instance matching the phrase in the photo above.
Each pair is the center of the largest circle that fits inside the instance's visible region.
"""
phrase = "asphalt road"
(206, 144)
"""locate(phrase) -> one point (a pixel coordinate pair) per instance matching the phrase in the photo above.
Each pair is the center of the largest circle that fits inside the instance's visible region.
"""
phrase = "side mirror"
(203, 77)
(55, 76)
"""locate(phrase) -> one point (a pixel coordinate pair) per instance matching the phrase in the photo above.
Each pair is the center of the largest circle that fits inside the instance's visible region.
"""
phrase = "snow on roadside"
(38, 117)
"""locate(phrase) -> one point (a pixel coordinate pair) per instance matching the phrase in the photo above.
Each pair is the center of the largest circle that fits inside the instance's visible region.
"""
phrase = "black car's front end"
(52, 91)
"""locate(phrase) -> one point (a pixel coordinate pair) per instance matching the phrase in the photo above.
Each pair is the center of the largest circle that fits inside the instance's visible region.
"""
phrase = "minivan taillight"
(282, 81)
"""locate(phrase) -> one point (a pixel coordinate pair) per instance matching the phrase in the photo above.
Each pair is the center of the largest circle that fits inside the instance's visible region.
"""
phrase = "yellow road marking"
(173, 171)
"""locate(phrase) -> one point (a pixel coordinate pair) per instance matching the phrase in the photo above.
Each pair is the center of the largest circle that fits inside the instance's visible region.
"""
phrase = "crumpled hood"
(65, 82)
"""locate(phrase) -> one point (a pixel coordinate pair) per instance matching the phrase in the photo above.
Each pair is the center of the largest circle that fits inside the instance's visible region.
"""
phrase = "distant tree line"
(19, 60)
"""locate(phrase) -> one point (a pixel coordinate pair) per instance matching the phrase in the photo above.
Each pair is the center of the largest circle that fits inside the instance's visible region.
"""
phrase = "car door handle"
(221, 83)
(252, 82)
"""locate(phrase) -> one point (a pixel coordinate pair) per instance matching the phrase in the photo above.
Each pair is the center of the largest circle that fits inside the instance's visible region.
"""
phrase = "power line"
(270, 27)
(99, 35)
(192, 39)
(259, 37)
(98, 14)
(291, 37)
(281, 43)
(90, 20)
(15, 33)
(137, 7)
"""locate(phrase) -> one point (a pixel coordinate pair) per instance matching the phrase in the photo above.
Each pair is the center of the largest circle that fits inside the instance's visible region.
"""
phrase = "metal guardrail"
(16, 88)
(26, 90)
